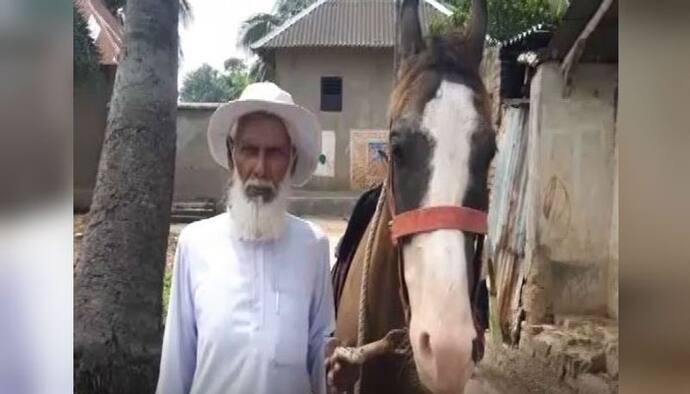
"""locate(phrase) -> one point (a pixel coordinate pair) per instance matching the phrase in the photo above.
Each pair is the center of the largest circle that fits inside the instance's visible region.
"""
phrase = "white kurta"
(247, 317)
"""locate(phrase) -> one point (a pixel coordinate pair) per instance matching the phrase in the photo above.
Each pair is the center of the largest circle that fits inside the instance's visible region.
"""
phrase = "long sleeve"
(321, 319)
(178, 359)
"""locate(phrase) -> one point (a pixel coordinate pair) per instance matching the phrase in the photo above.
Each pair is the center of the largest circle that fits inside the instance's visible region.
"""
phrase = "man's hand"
(343, 363)
(341, 372)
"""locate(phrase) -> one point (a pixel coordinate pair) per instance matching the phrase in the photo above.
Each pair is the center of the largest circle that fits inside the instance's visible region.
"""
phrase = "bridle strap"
(437, 218)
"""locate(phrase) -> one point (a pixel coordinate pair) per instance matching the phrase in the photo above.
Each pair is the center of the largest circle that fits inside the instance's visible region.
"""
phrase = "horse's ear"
(409, 30)
(476, 31)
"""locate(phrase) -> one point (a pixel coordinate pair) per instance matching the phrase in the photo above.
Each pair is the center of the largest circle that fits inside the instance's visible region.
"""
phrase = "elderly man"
(251, 302)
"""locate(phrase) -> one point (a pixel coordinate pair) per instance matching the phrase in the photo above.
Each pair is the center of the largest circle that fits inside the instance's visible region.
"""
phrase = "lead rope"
(363, 291)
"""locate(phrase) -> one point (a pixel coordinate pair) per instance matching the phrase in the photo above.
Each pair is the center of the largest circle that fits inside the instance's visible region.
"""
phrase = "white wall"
(613, 261)
(367, 75)
(572, 168)
(197, 175)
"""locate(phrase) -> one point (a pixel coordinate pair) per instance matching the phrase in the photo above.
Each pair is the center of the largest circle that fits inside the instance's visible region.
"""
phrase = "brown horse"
(409, 258)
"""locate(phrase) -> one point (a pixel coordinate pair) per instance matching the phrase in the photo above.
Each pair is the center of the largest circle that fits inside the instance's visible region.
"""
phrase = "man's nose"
(261, 165)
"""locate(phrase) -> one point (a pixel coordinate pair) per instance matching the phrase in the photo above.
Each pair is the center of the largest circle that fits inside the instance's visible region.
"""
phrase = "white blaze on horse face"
(442, 329)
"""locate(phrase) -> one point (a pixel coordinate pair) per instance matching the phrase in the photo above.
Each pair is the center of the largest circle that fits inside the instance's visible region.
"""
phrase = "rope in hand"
(363, 290)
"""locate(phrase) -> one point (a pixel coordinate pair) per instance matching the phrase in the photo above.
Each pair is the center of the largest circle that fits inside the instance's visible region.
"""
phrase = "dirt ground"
(333, 227)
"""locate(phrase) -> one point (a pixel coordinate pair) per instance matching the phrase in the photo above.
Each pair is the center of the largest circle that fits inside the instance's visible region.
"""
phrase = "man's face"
(262, 153)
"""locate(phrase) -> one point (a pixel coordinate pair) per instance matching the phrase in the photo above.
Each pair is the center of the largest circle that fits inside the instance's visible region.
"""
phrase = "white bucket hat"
(301, 124)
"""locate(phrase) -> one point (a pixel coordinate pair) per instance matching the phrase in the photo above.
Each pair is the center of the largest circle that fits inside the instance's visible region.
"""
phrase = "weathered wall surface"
(490, 71)
(197, 175)
(572, 171)
(613, 260)
(367, 76)
(367, 82)
(90, 113)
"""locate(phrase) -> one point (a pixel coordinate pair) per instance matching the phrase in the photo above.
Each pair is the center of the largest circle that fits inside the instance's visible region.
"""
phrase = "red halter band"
(436, 218)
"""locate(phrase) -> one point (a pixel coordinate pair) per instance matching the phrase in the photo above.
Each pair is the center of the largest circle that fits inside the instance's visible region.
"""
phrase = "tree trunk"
(119, 275)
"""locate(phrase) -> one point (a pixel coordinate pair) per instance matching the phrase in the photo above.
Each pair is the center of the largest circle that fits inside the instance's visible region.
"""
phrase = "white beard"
(252, 219)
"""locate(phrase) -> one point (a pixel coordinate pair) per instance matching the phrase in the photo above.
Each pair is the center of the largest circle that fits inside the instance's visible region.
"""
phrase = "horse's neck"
(383, 309)
(362, 215)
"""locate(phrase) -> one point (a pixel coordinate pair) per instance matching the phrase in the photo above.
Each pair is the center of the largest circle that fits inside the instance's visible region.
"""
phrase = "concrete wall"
(91, 99)
(572, 169)
(613, 246)
(367, 82)
(197, 176)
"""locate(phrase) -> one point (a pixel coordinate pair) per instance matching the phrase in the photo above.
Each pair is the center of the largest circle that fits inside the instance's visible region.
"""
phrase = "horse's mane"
(446, 55)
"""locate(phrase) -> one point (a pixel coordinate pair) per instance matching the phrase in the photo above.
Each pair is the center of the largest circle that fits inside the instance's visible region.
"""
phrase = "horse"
(410, 259)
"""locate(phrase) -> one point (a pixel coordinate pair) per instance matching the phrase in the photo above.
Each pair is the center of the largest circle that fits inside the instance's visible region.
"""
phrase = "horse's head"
(441, 145)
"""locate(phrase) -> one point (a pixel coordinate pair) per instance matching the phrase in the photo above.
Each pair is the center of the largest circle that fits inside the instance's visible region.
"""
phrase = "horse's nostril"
(425, 344)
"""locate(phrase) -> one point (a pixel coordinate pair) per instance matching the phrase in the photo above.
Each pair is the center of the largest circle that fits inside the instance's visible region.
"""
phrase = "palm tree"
(185, 8)
(256, 27)
(259, 25)
(118, 277)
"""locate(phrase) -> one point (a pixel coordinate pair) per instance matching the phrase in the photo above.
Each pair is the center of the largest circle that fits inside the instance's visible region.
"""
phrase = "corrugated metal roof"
(538, 29)
(602, 44)
(507, 235)
(346, 23)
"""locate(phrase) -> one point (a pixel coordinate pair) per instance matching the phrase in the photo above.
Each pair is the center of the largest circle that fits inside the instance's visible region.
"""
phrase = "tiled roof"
(106, 30)
(346, 23)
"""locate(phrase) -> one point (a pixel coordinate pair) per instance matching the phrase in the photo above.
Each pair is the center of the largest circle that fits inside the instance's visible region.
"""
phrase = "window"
(331, 94)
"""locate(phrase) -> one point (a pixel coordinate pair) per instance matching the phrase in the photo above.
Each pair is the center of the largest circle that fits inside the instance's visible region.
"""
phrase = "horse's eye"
(397, 142)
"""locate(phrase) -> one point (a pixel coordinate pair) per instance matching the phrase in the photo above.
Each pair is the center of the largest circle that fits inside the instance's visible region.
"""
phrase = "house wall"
(572, 176)
(613, 260)
(367, 82)
(91, 99)
(197, 176)
(367, 76)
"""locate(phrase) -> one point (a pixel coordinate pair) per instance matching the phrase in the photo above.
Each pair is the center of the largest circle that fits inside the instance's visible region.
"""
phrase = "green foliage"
(234, 64)
(286, 9)
(207, 84)
(259, 25)
(506, 17)
(204, 84)
(236, 77)
(85, 52)
(167, 278)
(256, 27)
